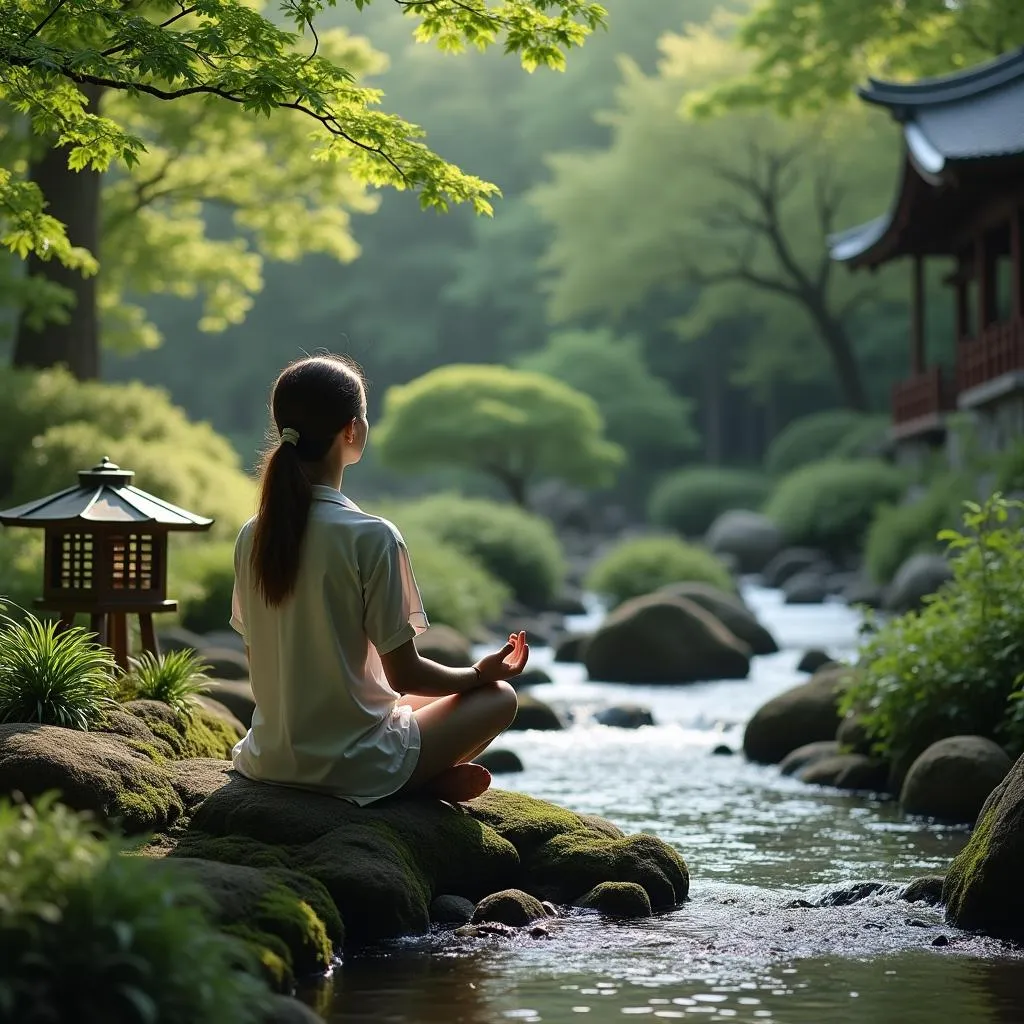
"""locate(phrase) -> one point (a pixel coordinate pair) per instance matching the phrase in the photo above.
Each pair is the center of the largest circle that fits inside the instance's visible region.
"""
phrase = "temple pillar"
(917, 319)
(985, 275)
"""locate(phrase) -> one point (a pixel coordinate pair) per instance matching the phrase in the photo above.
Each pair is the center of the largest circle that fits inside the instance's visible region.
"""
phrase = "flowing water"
(755, 843)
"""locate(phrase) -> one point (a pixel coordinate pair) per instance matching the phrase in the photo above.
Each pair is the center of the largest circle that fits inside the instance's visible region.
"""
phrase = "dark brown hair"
(316, 397)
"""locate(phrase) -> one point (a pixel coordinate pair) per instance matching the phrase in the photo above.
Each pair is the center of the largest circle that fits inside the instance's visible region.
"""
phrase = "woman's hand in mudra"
(506, 663)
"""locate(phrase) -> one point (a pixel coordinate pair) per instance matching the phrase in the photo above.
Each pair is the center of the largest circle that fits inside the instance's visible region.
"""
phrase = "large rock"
(789, 562)
(664, 639)
(535, 714)
(569, 648)
(236, 695)
(618, 899)
(500, 762)
(749, 537)
(511, 906)
(810, 586)
(730, 611)
(847, 771)
(803, 757)
(814, 659)
(862, 591)
(446, 646)
(801, 715)
(984, 888)
(919, 576)
(225, 663)
(953, 778)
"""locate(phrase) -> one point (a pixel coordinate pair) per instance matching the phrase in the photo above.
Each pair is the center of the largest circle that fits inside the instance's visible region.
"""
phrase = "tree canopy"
(810, 54)
(512, 425)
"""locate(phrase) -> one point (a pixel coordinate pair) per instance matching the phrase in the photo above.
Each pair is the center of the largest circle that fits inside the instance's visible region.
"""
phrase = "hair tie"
(289, 436)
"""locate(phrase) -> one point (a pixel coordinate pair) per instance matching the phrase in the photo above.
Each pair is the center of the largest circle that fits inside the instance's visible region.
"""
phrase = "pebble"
(940, 940)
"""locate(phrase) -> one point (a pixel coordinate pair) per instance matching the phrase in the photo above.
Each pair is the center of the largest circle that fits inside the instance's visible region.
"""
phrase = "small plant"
(174, 678)
(641, 566)
(957, 665)
(91, 935)
(690, 500)
(812, 438)
(50, 677)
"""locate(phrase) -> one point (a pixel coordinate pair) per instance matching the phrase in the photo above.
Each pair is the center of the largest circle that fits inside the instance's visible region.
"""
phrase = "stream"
(755, 842)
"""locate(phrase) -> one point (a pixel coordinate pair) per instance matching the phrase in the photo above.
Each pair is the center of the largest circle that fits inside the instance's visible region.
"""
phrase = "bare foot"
(459, 783)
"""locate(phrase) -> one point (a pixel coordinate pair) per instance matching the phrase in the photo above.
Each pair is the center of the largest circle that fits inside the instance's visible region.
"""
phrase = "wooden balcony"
(922, 398)
(998, 350)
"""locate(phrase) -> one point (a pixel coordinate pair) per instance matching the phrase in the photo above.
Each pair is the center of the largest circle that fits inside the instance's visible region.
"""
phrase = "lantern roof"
(104, 495)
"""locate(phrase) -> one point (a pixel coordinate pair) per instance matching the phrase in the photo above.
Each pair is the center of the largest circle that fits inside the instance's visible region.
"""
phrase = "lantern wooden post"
(105, 553)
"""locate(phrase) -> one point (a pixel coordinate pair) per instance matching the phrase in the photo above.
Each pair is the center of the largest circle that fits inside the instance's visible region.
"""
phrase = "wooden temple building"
(960, 199)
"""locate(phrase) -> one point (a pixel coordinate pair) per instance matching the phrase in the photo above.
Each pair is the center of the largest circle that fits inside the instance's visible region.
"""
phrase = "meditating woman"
(326, 600)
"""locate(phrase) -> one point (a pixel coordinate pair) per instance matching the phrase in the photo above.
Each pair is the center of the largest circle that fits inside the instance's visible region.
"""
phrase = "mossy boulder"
(926, 889)
(804, 714)
(664, 639)
(984, 887)
(730, 610)
(511, 906)
(618, 899)
(114, 777)
(269, 907)
(201, 733)
(952, 779)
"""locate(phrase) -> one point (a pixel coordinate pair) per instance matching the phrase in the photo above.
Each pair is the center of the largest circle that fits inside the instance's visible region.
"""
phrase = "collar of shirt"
(321, 492)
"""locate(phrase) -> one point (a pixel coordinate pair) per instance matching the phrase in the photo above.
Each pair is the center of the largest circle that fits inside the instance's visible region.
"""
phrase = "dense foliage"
(913, 527)
(956, 666)
(514, 426)
(53, 426)
(645, 564)
(50, 677)
(514, 546)
(831, 504)
(90, 935)
(811, 439)
(690, 500)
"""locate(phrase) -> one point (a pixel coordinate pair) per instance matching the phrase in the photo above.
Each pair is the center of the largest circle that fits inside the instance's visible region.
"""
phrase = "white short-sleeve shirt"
(326, 718)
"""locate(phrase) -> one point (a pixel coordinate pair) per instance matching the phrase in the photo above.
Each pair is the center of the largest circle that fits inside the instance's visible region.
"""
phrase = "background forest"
(607, 254)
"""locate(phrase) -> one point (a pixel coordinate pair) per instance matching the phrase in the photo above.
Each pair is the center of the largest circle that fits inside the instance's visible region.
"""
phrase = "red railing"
(997, 350)
(927, 394)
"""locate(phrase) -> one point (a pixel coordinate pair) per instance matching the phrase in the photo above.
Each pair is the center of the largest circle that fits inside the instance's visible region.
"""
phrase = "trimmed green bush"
(899, 531)
(811, 439)
(956, 666)
(53, 678)
(641, 566)
(53, 426)
(690, 500)
(513, 545)
(831, 505)
(93, 936)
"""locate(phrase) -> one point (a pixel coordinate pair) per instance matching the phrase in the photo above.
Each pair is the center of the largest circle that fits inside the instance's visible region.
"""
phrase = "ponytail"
(312, 401)
(281, 520)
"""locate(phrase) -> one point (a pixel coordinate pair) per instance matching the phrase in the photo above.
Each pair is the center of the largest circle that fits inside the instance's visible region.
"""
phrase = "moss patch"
(512, 906)
(967, 868)
(270, 953)
(618, 899)
(199, 734)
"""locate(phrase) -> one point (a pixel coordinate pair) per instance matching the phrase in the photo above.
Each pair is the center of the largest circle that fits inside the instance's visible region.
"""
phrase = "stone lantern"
(106, 553)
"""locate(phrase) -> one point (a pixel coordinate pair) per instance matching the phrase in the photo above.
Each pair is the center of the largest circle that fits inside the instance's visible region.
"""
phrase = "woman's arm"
(407, 672)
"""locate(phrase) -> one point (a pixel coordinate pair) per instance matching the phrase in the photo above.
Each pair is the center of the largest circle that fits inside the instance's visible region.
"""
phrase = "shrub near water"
(92, 936)
(831, 505)
(53, 678)
(690, 500)
(956, 666)
(641, 566)
(517, 547)
(899, 531)
(811, 439)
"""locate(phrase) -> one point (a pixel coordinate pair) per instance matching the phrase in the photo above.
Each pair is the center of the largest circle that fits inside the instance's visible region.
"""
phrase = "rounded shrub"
(864, 440)
(53, 426)
(811, 439)
(645, 564)
(513, 545)
(899, 531)
(94, 936)
(831, 504)
(690, 500)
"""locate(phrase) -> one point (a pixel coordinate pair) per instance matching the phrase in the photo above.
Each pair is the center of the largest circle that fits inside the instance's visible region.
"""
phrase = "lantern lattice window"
(133, 561)
(72, 569)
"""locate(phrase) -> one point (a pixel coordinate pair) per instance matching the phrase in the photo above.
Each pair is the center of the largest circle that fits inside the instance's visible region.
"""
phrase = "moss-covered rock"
(926, 889)
(202, 733)
(289, 907)
(618, 899)
(511, 906)
(563, 857)
(97, 772)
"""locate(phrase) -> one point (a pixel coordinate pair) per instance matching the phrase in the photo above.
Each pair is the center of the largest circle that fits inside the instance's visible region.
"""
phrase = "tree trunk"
(73, 197)
(837, 341)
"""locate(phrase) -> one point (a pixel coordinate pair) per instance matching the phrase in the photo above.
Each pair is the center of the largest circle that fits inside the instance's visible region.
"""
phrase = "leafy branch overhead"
(227, 51)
